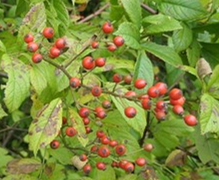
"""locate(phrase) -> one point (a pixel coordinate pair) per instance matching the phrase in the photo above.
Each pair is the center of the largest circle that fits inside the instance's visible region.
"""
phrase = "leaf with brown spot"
(176, 158)
(46, 125)
(23, 166)
(203, 68)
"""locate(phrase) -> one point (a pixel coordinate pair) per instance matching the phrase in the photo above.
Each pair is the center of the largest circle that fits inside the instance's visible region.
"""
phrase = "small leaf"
(160, 23)
(193, 53)
(133, 9)
(46, 125)
(165, 53)
(2, 47)
(130, 33)
(143, 70)
(2, 112)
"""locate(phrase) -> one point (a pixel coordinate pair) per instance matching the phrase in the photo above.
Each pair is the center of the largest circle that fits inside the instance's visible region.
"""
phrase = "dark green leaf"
(193, 52)
(116, 12)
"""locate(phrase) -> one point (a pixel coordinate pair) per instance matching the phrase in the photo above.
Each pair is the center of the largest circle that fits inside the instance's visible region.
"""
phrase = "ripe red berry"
(118, 41)
(96, 91)
(84, 112)
(86, 121)
(94, 149)
(83, 157)
(74, 82)
(130, 94)
(161, 105)
(114, 164)
(64, 120)
(177, 109)
(130, 112)
(54, 144)
(60, 43)
(88, 63)
(146, 104)
(111, 47)
(103, 151)
(175, 94)
(88, 129)
(100, 134)
(140, 161)
(101, 165)
(129, 167)
(87, 168)
(179, 101)
(148, 147)
(162, 88)
(107, 28)
(120, 149)
(105, 140)
(48, 32)
(122, 163)
(95, 44)
(106, 104)
(101, 114)
(32, 47)
(54, 52)
(98, 108)
(128, 79)
(36, 58)
(190, 120)
(140, 83)
(28, 38)
(100, 62)
(160, 115)
(70, 131)
(117, 78)
(153, 92)
(113, 143)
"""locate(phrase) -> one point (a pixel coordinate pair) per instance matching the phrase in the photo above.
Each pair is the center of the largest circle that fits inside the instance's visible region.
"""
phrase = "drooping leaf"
(165, 53)
(160, 23)
(183, 10)
(133, 9)
(182, 38)
(46, 125)
(143, 70)
(130, 33)
(209, 114)
(17, 87)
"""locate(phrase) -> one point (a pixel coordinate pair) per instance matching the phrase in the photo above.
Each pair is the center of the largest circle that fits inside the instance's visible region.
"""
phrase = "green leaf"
(189, 69)
(129, 177)
(165, 53)
(183, 10)
(104, 175)
(46, 125)
(213, 83)
(17, 87)
(138, 122)
(182, 38)
(116, 12)
(133, 9)
(193, 52)
(5, 158)
(130, 33)
(2, 47)
(79, 126)
(2, 112)
(143, 70)
(209, 114)
(160, 23)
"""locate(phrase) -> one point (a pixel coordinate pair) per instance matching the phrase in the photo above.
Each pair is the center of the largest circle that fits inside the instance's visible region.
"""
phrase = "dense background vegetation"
(170, 41)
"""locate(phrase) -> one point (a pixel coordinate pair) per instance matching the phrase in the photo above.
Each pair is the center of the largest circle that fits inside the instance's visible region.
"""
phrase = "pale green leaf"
(46, 125)
(104, 175)
(129, 177)
(17, 87)
(213, 83)
(2, 47)
(193, 53)
(2, 112)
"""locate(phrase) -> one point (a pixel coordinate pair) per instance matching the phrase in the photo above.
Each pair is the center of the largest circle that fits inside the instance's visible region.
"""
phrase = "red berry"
(122, 163)
(111, 47)
(106, 104)
(60, 43)
(118, 41)
(162, 88)
(36, 58)
(148, 147)
(83, 157)
(84, 112)
(140, 161)
(129, 167)
(28, 38)
(88, 63)
(179, 101)
(120, 149)
(117, 78)
(88, 129)
(128, 79)
(175, 94)
(160, 115)
(130, 94)
(87, 168)
(101, 114)
(146, 104)
(54, 52)
(95, 44)
(96, 91)
(190, 120)
(114, 164)
(70, 131)
(140, 83)
(113, 143)
(48, 32)
(98, 108)
(107, 28)
(54, 144)
(161, 105)
(64, 120)
(100, 62)
(86, 121)
(103, 151)
(153, 92)
(74, 82)
(177, 109)
(130, 112)
(94, 149)
(105, 140)
(101, 165)
(32, 47)
(100, 134)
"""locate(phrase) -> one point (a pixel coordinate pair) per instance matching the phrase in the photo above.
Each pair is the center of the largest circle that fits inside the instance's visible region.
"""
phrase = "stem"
(149, 9)
(146, 129)
(96, 13)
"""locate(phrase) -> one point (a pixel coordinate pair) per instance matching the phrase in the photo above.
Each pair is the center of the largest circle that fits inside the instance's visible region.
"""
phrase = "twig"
(149, 9)
(96, 13)
(146, 129)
